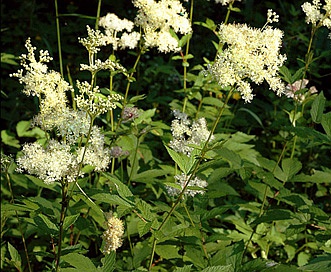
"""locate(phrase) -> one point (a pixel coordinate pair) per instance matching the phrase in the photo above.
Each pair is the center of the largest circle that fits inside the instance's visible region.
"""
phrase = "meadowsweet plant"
(113, 235)
(183, 136)
(249, 54)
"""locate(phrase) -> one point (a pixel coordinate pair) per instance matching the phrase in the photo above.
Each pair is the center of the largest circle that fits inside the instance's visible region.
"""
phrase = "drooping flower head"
(113, 234)
(249, 55)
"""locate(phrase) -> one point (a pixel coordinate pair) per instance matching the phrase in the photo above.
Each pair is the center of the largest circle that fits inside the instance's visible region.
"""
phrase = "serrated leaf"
(290, 167)
(219, 268)
(95, 211)
(274, 215)
(234, 255)
(220, 189)
(9, 139)
(298, 74)
(108, 262)
(112, 199)
(317, 108)
(319, 264)
(145, 116)
(295, 229)
(212, 101)
(313, 136)
(326, 123)
(285, 72)
(122, 189)
(70, 220)
(79, 262)
(141, 251)
(143, 227)
(40, 183)
(46, 225)
(184, 40)
(232, 157)
(18, 207)
(15, 257)
(213, 213)
(23, 129)
(145, 209)
(184, 162)
(303, 258)
(317, 177)
(255, 265)
(149, 175)
(167, 251)
(186, 268)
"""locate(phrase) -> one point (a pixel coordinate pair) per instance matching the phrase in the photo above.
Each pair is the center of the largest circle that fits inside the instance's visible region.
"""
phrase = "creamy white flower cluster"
(314, 14)
(114, 25)
(113, 234)
(294, 90)
(93, 41)
(98, 65)
(50, 164)
(158, 18)
(185, 135)
(48, 86)
(250, 55)
(61, 158)
(68, 124)
(272, 17)
(182, 180)
(92, 101)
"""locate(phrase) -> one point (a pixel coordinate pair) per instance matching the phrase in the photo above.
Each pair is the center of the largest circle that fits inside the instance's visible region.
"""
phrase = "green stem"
(227, 16)
(74, 105)
(66, 197)
(58, 37)
(293, 147)
(185, 60)
(262, 210)
(18, 220)
(64, 206)
(188, 214)
(152, 255)
(195, 169)
(128, 86)
(98, 15)
(134, 161)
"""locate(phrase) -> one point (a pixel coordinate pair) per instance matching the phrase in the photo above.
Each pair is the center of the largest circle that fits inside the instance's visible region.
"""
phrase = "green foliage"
(266, 206)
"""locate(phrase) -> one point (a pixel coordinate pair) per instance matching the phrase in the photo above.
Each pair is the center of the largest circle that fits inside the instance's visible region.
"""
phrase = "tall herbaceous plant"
(171, 156)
